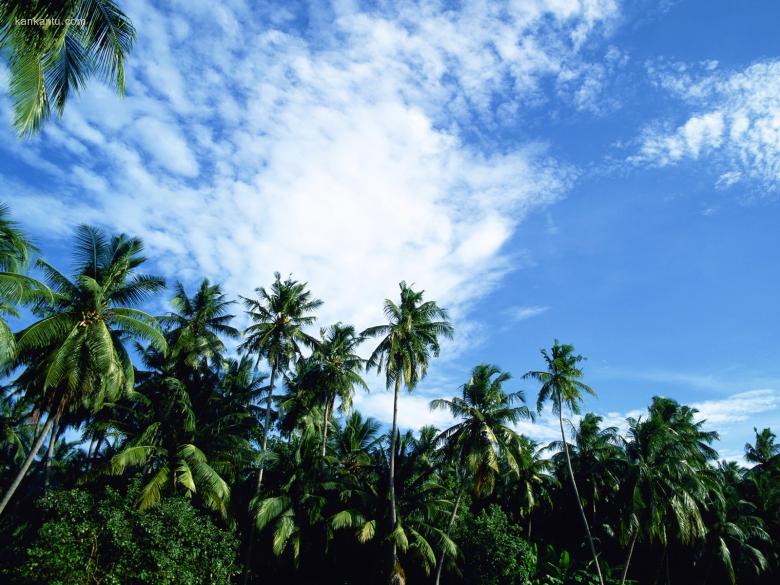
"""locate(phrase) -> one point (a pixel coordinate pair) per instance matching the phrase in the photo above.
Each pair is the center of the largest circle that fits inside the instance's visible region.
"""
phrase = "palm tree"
(336, 369)
(421, 495)
(667, 481)
(278, 317)
(49, 63)
(75, 354)
(15, 286)
(296, 507)
(15, 431)
(196, 324)
(562, 385)
(532, 485)
(162, 438)
(484, 436)
(765, 448)
(596, 459)
(409, 340)
(733, 527)
(192, 419)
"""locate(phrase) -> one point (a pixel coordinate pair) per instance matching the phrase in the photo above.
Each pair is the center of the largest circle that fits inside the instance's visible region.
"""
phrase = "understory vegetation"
(179, 448)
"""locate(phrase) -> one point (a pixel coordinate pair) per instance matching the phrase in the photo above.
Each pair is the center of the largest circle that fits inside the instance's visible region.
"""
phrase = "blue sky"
(601, 172)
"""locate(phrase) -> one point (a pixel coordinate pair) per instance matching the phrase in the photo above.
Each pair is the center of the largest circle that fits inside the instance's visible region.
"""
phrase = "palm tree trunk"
(267, 426)
(325, 421)
(96, 452)
(391, 475)
(252, 525)
(89, 450)
(628, 558)
(50, 453)
(577, 494)
(440, 564)
(27, 462)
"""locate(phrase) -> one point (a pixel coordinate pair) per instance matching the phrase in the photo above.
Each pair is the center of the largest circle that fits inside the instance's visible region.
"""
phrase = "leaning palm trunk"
(252, 524)
(394, 573)
(577, 495)
(628, 559)
(27, 462)
(440, 564)
(50, 455)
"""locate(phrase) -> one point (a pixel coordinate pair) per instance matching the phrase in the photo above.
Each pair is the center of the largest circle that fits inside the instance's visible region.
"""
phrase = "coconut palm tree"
(667, 481)
(531, 486)
(75, 354)
(561, 384)
(408, 342)
(50, 63)
(192, 419)
(278, 317)
(734, 531)
(196, 324)
(596, 460)
(296, 508)
(765, 448)
(276, 334)
(162, 438)
(484, 435)
(336, 371)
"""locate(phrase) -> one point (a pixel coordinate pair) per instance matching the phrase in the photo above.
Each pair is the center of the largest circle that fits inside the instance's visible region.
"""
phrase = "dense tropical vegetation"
(179, 449)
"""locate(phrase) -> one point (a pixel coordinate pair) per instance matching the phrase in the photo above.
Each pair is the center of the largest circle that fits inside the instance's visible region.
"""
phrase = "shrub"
(494, 551)
(87, 539)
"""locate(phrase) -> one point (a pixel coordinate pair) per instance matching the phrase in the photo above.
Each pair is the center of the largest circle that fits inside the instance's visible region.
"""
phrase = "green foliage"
(557, 568)
(184, 427)
(64, 43)
(494, 551)
(87, 539)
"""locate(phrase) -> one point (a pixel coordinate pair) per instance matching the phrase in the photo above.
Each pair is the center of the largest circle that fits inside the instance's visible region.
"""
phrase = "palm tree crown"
(78, 344)
(49, 63)
(409, 339)
(484, 436)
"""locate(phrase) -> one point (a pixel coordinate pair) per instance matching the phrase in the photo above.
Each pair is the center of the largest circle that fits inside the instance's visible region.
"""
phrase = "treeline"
(139, 449)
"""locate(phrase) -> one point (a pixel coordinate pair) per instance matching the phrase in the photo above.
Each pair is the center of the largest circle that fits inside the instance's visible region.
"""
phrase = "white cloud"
(738, 407)
(735, 122)
(413, 410)
(522, 312)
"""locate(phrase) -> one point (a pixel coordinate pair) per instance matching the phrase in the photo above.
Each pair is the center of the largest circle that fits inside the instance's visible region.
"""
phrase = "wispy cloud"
(739, 407)
(732, 121)
(523, 312)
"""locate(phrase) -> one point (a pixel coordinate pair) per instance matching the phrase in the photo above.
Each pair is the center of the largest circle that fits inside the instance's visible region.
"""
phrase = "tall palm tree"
(408, 342)
(336, 368)
(50, 63)
(562, 385)
(276, 334)
(484, 434)
(75, 354)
